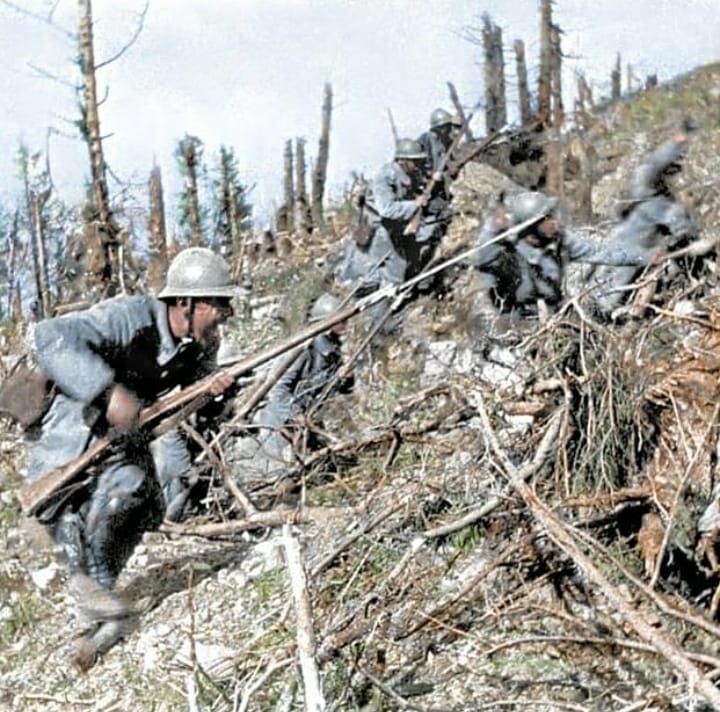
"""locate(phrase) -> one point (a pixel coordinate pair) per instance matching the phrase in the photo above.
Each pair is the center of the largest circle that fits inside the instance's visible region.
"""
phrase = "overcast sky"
(249, 74)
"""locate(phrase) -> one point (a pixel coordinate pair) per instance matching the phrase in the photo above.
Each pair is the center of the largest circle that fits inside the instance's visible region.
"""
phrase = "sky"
(249, 74)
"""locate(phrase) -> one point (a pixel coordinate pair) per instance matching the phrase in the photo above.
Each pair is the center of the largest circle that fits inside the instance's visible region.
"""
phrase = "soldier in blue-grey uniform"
(107, 363)
(527, 269)
(395, 197)
(270, 450)
(436, 141)
(651, 219)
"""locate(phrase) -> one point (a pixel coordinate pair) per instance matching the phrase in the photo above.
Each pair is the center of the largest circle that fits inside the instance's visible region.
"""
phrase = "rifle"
(414, 223)
(34, 495)
(456, 166)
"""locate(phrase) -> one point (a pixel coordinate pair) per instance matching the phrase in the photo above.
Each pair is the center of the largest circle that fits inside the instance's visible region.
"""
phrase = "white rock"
(42, 578)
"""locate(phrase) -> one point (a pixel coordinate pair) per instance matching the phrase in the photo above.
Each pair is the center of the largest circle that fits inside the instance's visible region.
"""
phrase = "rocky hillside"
(495, 523)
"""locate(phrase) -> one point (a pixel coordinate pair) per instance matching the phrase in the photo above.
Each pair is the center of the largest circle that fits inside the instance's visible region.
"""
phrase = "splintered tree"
(158, 247)
(544, 78)
(189, 154)
(495, 105)
(526, 116)
(101, 233)
(232, 210)
(285, 214)
(37, 190)
(303, 216)
(616, 78)
(321, 164)
(9, 249)
(555, 178)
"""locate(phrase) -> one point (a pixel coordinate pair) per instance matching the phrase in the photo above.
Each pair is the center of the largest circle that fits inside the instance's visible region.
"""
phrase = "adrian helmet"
(198, 272)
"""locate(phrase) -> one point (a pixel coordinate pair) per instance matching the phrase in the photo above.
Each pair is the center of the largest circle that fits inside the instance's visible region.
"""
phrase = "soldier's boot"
(108, 615)
(92, 647)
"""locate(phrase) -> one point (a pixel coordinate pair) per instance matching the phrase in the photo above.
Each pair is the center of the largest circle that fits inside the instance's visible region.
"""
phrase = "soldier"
(395, 198)
(107, 362)
(294, 395)
(527, 269)
(437, 140)
(651, 219)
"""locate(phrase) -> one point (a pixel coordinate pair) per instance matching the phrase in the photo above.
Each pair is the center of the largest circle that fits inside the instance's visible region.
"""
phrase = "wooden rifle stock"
(412, 227)
(414, 223)
(37, 493)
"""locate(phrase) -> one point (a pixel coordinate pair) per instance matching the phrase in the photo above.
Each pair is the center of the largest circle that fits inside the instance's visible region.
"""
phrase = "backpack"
(26, 394)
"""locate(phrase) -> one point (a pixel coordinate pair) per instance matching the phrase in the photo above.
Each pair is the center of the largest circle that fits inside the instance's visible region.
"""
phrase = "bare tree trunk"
(544, 79)
(393, 128)
(303, 218)
(558, 110)
(189, 153)
(42, 279)
(158, 261)
(495, 105)
(580, 106)
(616, 79)
(586, 177)
(108, 228)
(526, 116)
(460, 111)
(554, 176)
(320, 172)
(12, 261)
(289, 188)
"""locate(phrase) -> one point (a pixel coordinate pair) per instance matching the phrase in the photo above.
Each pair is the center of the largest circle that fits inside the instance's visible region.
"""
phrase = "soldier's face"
(549, 226)
(209, 314)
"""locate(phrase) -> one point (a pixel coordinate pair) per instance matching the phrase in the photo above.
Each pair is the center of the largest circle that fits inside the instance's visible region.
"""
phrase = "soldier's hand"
(420, 201)
(220, 383)
(123, 409)
(437, 176)
(658, 257)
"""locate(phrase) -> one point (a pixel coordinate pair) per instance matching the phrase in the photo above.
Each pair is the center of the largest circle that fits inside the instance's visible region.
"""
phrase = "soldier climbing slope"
(107, 362)
(284, 416)
(393, 254)
(526, 271)
(651, 219)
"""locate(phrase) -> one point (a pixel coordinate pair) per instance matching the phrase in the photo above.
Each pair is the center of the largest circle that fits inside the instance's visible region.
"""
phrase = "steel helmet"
(440, 117)
(409, 149)
(525, 206)
(456, 120)
(198, 272)
(325, 305)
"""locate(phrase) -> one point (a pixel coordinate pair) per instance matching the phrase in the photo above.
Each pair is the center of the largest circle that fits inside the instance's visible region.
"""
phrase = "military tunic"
(124, 340)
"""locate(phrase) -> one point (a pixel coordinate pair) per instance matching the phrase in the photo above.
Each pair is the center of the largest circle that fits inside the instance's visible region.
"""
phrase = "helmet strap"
(191, 317)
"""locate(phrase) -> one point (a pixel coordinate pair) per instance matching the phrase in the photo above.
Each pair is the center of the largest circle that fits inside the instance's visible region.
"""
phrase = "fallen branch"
(314, 699)
(567, 543)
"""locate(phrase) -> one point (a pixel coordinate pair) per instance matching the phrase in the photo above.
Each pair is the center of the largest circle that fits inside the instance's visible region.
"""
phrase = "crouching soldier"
(284, 416)
(107, 363)
(525, 271)
(651, 220)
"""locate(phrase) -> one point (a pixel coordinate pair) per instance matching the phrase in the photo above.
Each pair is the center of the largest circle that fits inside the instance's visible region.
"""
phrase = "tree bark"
(495, 105)
(544, 79)
(526, 116)
(321, 165)
(460, 111)
(158, 261)
(289, 188)
(90, 126)
(616, 79)
(558, 110)
(303, 216)
(189, 152)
